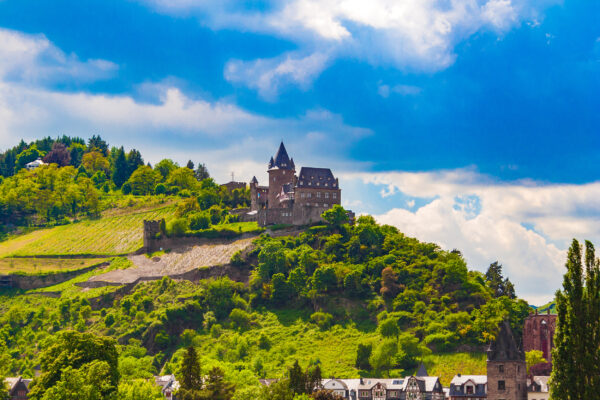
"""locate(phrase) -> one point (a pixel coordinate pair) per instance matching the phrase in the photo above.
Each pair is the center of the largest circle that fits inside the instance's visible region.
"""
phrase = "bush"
(126, 188)
(185, 193)
(160, 189)
(199, 221)
(177, 227)
(321, 319)
(109, 320)
(239, 318)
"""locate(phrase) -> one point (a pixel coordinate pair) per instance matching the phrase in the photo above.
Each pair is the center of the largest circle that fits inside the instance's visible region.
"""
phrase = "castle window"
(334, 195)
(318, 195)
(308, 195)
(309, 183)
(326, 195)
(301, 182)
(302, 195)
(501, 369)
(318, 183)
(333, 185)
(501, 385)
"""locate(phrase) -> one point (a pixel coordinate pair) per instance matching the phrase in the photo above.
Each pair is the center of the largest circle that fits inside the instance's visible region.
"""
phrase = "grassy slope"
(40, 265)
(112, 235)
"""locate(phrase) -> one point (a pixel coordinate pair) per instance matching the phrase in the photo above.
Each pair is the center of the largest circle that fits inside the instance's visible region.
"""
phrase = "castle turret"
(281, 172)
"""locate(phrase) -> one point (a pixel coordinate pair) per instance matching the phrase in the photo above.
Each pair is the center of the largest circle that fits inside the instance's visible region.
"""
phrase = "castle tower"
(281, 172)
(538, 334)
(506, 368)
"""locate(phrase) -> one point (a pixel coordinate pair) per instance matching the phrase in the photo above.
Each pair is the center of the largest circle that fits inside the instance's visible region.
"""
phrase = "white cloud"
(269, 75)
(405, 34)
(32, 59)
(486, 220)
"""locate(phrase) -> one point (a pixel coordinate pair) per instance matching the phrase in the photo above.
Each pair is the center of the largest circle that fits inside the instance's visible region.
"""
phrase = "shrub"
(264, 342)
(321, 319)
(239, 318)
(177, 227)
(109, 320)
(185, 193)
(199, 221)
(160, 189)
(126, 188)
(236, 258)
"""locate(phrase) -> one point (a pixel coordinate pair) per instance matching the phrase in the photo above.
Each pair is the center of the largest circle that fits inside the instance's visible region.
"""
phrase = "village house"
(34, 164)
(537, 388)
(468, 387)
(293, 199)
(168, 385)
(18, 388)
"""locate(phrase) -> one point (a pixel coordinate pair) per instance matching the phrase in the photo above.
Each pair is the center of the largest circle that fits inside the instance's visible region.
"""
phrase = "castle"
(290, 198)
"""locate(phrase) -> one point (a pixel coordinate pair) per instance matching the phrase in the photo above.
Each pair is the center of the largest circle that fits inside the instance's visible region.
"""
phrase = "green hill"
(314, 297)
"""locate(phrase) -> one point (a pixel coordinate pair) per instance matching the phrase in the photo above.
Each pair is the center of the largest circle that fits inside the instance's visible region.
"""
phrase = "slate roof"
(281, 160)
(254, 180)
(422, 371)
(322, 178)
(541, 381)
(505, 347)
(462, 379)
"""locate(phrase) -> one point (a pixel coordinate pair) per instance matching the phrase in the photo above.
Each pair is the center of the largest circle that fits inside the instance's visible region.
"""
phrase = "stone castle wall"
(538, 334)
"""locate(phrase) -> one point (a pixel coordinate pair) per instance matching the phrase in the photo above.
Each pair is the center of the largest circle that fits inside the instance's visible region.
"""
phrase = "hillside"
(313, 297)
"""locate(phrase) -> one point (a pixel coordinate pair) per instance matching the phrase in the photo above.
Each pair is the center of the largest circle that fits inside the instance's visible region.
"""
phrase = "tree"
(363, 353)
(279, 390)
(143, 180)
(139, 389)
(499, 285)
(183, 178)
(217, 388)
(575, 357)
(389, 328)
(201, 172)
(26, 156)
(72, 358)
(271, 260)
(3, 389)
(389, 283)
(297, 378)
(384, 356)
(164, 167)
(191, 374)
(58, 155)
(134, 160)
(335, 216)
(96, 143)
(533, 358)
(281, 290)
(120, 169)
(95, 161)
(76, 152)
(190, 165)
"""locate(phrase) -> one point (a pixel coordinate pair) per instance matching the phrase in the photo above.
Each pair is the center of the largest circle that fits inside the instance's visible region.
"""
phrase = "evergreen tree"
(201, 172)
(191, 374)
(575, 358)
(190, 165)
(96, 142)
(497, 282)
(363, 353)
(216, 386)
(297, 378)
(134, 160)
(120, 169)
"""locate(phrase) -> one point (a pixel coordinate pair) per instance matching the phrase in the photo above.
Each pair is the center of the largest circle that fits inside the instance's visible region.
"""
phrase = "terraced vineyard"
(114, 235)
(32, 265)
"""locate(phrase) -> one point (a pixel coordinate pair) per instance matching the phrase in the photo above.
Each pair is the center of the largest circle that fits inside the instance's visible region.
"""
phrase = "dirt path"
(177, 261)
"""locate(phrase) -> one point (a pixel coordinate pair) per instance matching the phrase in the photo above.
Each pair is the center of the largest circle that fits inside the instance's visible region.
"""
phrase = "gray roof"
(254, 180)
(462, 379)
(422, 371)
(505, 347)
(322, 178)
(281, 160)
(542, 381)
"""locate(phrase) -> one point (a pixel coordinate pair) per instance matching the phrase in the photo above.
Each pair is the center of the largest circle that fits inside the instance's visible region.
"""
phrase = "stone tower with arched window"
(506, 368)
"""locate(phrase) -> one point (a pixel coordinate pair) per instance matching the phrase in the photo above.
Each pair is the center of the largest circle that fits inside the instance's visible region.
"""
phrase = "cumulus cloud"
(409, 34)
(527, 226)
(33, 59)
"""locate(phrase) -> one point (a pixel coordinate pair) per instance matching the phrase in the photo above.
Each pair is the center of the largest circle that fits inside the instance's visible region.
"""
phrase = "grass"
(69, 289)
(114, 235)
(446, 365)
(245, 226)
(34, 265)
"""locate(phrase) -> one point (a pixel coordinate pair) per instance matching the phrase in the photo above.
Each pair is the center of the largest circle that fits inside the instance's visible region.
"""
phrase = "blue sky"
(472, 123)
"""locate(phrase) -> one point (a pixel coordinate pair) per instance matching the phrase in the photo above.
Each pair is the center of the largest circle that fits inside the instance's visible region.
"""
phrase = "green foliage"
(71, 358)
(575, 359)
(363, 354)
(143, 180)
(177, 227)
(533, 358)
(335, 216)
(26, 156)
(321, 319)
(139, 389)
(191, 375)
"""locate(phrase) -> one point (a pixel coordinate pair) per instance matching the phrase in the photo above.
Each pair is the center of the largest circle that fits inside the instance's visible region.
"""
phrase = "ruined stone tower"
(506, 368)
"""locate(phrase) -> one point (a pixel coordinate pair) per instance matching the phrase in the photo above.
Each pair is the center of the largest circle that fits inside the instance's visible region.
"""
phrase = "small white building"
(34, 164)
(537, 388)
(168, 385)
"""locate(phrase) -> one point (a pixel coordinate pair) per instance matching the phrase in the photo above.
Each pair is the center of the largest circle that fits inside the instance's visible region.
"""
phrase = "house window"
(501, 385)
(302, 195)
(327, 195)
(501, 369)
(308, 195)
(469, 389)
(334, 195)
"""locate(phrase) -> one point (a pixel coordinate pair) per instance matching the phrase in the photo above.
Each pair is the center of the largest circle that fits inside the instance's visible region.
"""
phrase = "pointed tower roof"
(422, 371)
(282, 160)
(254, 180)
(505, 347)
